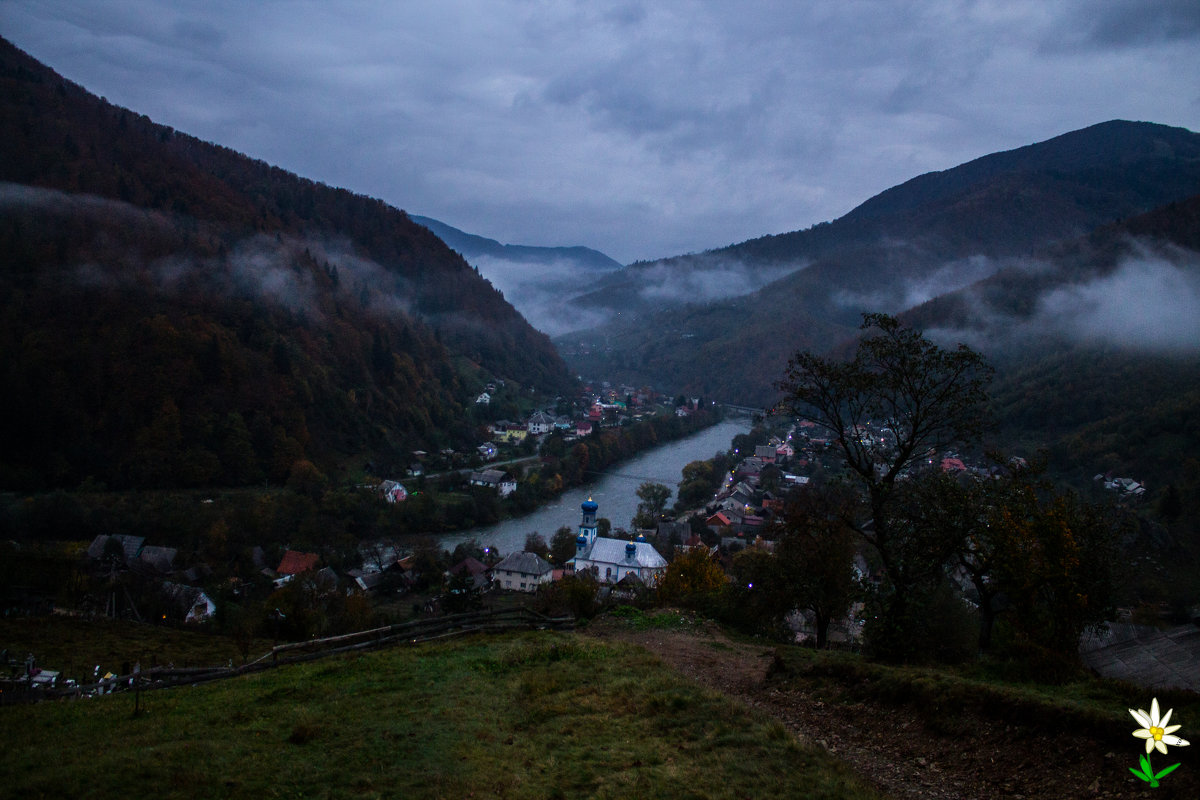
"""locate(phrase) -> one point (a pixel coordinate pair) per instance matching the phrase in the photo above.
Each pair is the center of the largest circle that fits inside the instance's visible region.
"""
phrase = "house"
(161, 559)
(583, 428)
(953, 465)
(483, 399)
(363, 580)
(721, 519)
(393, 491)
(540, 423)
(766, 452)
(750, 467)
(610, 560)
(294, 562)
(508, 432)
(487, 451)
(471, 566)
(124, 549)
(191, 603)
(494, 479)
(522, 572)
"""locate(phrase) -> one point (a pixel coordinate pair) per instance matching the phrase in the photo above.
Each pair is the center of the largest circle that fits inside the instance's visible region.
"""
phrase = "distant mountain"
(538, 281)
(175, 313)
(931, 235)
(472, 246)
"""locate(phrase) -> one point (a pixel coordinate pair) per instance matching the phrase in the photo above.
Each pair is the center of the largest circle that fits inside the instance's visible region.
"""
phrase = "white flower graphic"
(1154, 730)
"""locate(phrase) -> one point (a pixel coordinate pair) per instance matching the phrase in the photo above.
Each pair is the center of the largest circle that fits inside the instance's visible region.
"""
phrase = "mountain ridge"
(870, 260)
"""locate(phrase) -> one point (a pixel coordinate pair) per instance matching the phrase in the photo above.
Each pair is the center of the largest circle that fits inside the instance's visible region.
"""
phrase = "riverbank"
(614, 490)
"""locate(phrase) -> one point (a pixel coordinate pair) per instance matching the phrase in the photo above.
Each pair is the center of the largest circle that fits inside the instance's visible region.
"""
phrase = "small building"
(294, 562)
(124, 548)
(496, 479)
(161, 559)
(393, 491)
(540, 423)
(522, 572)
(191, 603)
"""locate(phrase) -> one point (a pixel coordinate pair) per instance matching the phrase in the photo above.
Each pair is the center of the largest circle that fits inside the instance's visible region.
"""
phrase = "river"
(615, 491)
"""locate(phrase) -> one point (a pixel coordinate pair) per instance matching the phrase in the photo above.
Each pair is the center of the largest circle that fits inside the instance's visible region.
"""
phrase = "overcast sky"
(642, 129)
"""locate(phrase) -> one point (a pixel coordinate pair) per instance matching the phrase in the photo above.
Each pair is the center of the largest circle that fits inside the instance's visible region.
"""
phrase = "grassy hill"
(618, 710)
(536, 715)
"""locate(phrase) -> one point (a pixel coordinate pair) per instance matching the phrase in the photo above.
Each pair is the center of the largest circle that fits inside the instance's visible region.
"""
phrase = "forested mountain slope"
(174, 313)
(1097, 345)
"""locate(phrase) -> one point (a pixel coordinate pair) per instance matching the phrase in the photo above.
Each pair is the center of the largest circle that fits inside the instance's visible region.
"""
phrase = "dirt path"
(906, 754)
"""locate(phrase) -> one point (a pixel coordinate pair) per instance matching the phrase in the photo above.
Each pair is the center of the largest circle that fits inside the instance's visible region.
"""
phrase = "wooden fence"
(424, 630)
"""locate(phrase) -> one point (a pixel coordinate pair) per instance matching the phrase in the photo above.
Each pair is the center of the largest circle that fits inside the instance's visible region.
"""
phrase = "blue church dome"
(590, 505)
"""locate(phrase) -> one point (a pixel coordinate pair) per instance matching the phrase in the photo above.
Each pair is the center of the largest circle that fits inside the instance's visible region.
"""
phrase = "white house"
(522, 572)
(193, 603)
(610, 560)
(540, 423)
(494, 479)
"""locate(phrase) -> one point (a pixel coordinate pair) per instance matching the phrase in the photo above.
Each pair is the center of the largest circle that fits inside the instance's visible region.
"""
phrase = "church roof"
(615, 551)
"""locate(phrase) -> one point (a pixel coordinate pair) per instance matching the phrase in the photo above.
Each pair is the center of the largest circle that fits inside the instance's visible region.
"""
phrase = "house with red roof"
(294, 562)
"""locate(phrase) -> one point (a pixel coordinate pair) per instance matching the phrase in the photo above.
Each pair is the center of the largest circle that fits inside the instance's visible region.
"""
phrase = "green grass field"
(535, 715)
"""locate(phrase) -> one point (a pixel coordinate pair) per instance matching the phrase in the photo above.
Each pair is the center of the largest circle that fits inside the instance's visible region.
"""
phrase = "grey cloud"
(1139, 22)
(639, 129)
(717, 279)
(946, 278)
(1149, 302)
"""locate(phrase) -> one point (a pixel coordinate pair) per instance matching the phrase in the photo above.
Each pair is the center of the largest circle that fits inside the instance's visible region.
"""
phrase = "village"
(301, 594)
(722, 509)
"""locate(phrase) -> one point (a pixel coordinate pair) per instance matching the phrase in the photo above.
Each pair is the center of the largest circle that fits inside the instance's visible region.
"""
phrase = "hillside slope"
(1097, 344)
(174, 313)
(933, 234)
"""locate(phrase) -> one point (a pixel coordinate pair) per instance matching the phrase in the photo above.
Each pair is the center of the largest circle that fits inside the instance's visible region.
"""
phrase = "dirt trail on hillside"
(901, 751)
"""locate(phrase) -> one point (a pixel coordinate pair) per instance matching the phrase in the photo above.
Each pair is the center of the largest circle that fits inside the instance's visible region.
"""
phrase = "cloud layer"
(1149, 302)
(642, 129)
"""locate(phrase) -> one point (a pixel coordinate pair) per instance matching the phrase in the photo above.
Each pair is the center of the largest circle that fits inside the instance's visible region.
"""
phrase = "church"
(611, 560)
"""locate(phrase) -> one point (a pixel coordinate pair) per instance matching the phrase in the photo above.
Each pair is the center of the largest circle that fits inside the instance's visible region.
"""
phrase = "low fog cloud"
(541, 291)
(714, 280)
(908, 293)
(1148, 303)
